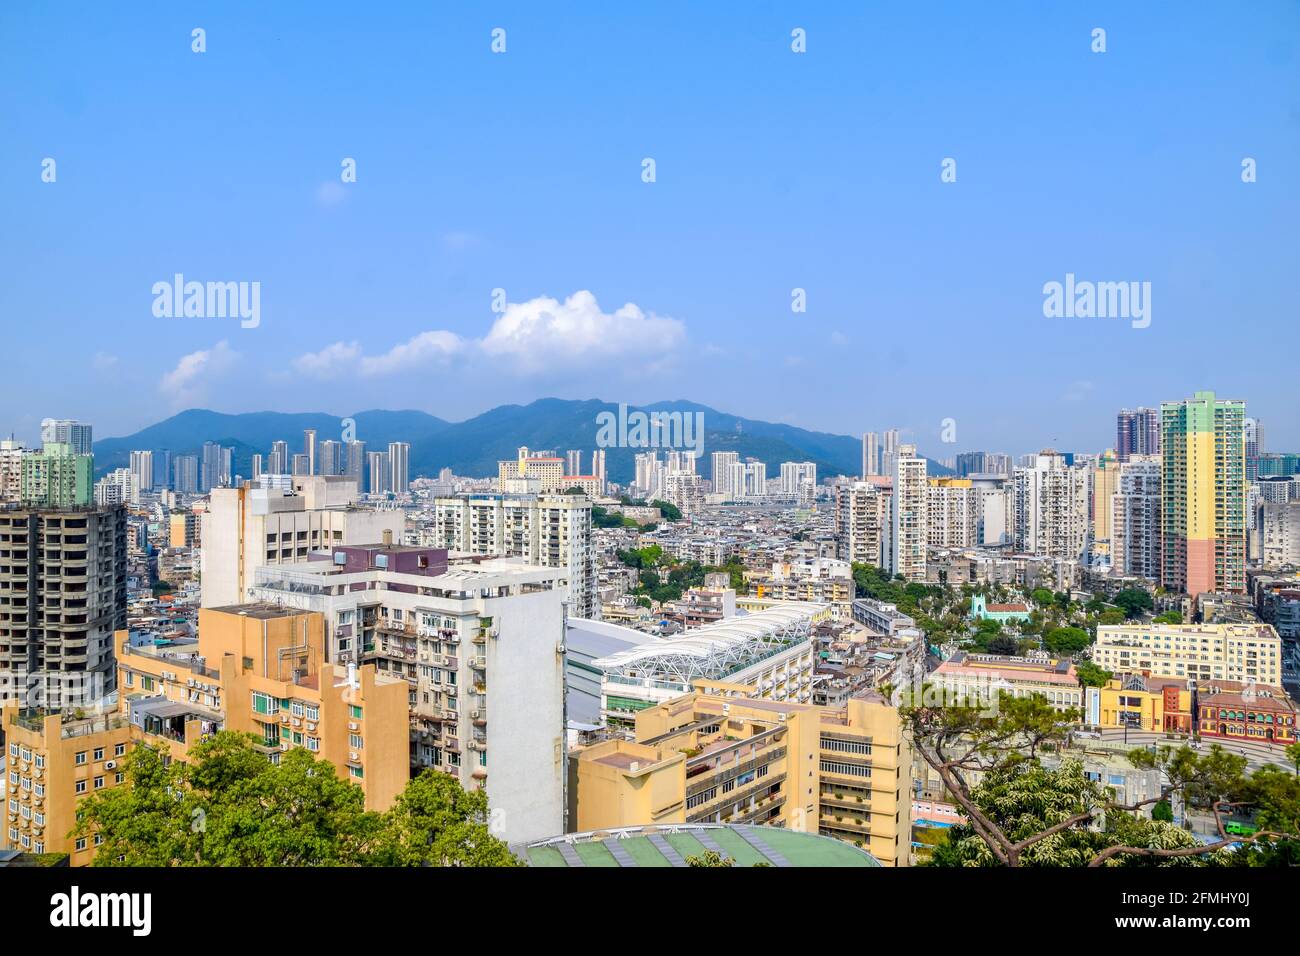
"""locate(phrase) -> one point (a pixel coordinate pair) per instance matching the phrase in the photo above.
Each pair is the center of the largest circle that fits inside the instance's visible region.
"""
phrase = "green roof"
(671, 844)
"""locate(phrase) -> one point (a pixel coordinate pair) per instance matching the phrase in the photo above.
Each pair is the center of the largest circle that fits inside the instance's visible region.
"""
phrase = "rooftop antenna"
(350, 682)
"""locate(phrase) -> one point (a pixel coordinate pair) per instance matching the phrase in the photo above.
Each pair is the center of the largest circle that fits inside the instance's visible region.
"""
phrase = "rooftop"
(670, 845)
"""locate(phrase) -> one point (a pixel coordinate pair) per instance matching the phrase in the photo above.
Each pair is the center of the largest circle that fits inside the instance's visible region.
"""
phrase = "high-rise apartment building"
(909, 510)
(11, 471)
(1051, 501)
(309, 449)
(860, 512)
(330, 458)
(598, 467)
(381, 473)
(142, 470)
(1135, 518)
(248, 527)
(399, 466)
(720, 472)
(888, 451)
(279, 462)
(357, 464)
(57, 476)
(870, 454)
(1204, 495)
(573, 462)
(799, 480)
(479, 643)
(62, 431)
(549, 530)
(1277, 533)
(185, 478)
(62, 595)
(953, 518)
(1137, 432)
(1105, 481)
(216, 471)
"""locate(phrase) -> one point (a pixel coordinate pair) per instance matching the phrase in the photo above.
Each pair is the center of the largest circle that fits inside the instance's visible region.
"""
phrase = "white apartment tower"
(1051, 507)
(1135, 518)
(858, 508)
(548, 530)
(908, 514)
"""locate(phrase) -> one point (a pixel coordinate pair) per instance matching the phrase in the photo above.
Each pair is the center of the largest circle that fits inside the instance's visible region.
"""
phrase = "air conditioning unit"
(353, 725)
(354, 756)
(311, 725)
(284, 746)
(284, 718)
(110, 764)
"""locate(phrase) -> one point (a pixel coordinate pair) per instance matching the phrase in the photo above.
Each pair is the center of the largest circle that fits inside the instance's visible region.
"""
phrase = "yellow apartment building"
(1203, 652)
(52, 764)
(716, 756)
(255, 668)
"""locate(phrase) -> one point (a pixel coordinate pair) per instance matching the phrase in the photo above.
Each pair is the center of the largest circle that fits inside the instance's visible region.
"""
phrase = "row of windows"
(849, 769)
(837, 745)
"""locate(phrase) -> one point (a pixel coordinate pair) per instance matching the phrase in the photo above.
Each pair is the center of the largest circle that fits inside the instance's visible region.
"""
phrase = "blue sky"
(774, 170)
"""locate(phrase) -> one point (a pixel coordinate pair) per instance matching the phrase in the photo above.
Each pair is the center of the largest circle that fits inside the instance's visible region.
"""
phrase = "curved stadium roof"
(718, 649)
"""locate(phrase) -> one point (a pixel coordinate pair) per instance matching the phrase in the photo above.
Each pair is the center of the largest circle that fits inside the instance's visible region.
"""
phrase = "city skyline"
(392, 282)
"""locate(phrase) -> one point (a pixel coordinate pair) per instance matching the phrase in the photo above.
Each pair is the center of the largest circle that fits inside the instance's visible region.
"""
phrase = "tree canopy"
(228, 805)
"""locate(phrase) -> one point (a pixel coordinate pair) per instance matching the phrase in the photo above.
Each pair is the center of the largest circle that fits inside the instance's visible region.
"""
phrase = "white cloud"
(545, 332)
(839, 338)
(188, 381)
(538, 334)
(425, 348)
(103, 360)
(330, 359)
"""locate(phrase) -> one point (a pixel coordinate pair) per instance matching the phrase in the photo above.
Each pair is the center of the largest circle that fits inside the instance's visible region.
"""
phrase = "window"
(265, 703)
(119, 750)
(99, 754)
(99, 783)
(80, 758)
(81, 786)
(311, 712)
(354, 711)
(356, 772)
(354, 741)
(80, 844)
(296, 708)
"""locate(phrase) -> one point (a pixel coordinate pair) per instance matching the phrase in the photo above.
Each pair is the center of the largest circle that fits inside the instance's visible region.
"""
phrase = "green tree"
(1163, 812)
(1041, 597)
(668, 511)
(1090, 675)
(1133, 601)
(1066, 641)
(436, 822)
(228, 805)
(1003, 644)
(710, 858)
(1025, 813)
(1293, 754)
(1169, 617)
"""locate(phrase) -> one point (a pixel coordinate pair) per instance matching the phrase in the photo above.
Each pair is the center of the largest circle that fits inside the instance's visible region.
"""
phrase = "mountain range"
(473, 447)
